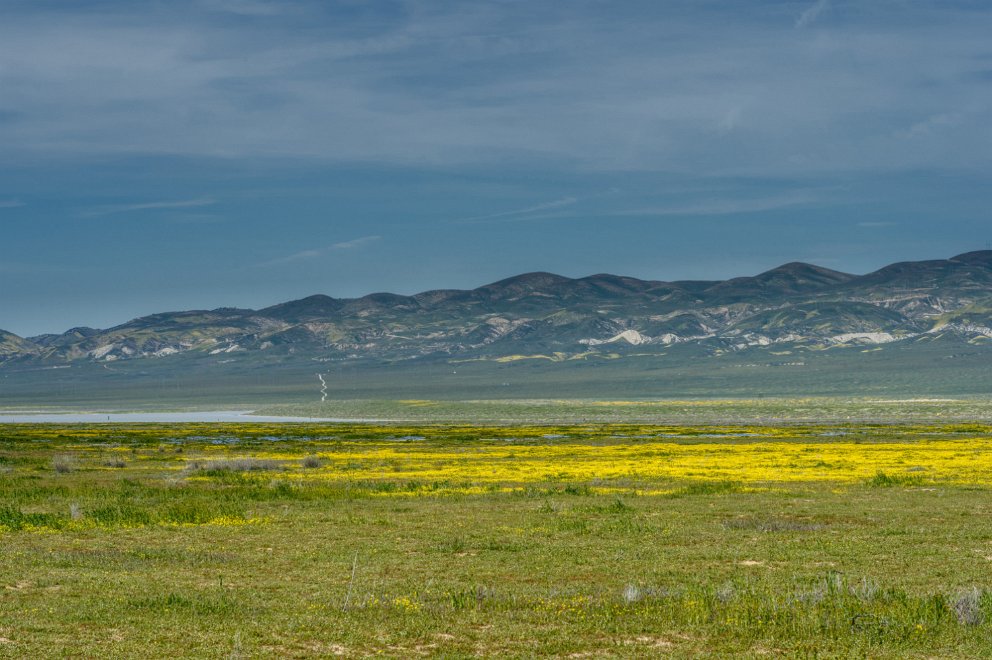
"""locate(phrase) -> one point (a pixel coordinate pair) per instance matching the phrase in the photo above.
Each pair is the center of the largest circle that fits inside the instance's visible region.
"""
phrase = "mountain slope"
(787, 280)
(556, 317)
(12, 346)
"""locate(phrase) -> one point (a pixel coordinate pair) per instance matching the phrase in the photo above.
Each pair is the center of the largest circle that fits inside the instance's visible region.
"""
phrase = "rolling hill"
(795, 308)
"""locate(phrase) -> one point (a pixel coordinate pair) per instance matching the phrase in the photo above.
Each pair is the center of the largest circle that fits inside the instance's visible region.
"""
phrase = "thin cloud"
(149, 206)
(296, 256)
(244, 7)
(877, 224)
(173, 82)
(355, 243)
(195, 218)
(933, 124)
(11, 204)
(812, 13)
(725, 206)
(314, 253)
(730, 120)
(516, 213)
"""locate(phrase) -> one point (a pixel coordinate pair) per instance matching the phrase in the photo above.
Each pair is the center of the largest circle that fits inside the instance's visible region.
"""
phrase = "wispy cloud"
(245, 7)
(149, 206)
(877, 224)
(934, 124)
(812, 13)
(725, 206)
(355, 243)
(520, 213)
(730, 120)
(379, 84)
(10, 204)
(314, 253)
(195, 218)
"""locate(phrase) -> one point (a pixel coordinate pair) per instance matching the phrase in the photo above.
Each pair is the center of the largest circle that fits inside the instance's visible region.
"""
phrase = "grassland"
(593, 540)
(709, 411)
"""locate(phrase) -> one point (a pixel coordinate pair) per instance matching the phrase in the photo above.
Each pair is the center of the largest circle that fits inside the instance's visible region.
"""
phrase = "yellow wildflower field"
(963, 461)
(462, 540)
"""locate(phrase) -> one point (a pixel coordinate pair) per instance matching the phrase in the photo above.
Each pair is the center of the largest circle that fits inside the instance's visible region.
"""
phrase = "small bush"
(967, 607)
(115, 462)
(631, 594)
(453, 545)
(865, 590)
(311, 462)
(619, 506)
(63, 463)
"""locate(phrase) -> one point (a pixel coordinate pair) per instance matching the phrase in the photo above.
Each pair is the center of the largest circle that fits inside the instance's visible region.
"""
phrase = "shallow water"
(239, 416)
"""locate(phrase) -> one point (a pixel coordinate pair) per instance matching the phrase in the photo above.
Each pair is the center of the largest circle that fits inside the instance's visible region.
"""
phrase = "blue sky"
(205, 153)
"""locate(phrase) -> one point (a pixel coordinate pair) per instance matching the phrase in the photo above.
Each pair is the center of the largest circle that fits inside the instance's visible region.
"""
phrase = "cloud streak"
(521, 213)
(725, 206)
(316, 253)
(355, 243)
(114, 209)
(812, 13)
(621, 90)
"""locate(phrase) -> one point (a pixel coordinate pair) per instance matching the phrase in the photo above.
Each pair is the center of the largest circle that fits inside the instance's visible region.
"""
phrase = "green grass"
(152, 559)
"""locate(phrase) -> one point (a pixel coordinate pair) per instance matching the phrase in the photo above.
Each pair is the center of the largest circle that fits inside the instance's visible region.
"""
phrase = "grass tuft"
(884, 479)
(707, 488)
(221, 467)
(311, 462)
(771, 524)
(967, 607)
(63, 463)
(632, 594)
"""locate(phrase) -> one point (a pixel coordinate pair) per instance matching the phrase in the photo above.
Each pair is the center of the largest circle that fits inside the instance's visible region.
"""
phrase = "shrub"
(631, 594)
(967, 607)
(63, 463)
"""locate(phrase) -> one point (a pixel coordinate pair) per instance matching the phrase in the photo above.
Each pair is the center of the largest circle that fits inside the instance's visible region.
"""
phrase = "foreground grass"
(252, 541)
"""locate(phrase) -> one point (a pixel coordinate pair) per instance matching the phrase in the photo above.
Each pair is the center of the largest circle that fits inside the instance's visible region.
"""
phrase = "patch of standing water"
(240, 416)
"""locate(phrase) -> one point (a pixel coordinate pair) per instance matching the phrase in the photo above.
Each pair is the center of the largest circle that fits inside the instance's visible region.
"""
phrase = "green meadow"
(466, 540)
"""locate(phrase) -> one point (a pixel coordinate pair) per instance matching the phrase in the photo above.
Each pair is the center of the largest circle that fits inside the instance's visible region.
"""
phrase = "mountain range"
(554, 317)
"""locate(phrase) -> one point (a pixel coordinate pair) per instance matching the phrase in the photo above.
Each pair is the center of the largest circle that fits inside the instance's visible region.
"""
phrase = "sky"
(194, 154)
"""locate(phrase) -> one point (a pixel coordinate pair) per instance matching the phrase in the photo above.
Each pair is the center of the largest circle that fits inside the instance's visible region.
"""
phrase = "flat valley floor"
(463, 540)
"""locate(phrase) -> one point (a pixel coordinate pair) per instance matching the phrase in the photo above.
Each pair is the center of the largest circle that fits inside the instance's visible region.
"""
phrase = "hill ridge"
(538, 312)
